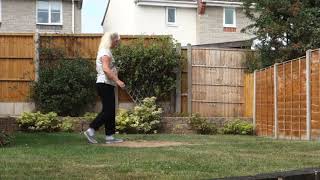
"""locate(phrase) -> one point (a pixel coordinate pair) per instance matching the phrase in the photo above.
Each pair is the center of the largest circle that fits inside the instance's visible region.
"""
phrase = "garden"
(49, 146)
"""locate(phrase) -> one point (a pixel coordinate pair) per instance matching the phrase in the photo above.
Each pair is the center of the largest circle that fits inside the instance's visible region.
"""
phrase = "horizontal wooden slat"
(218, 102)
(226, 85)
(15, 58)
(17, 80)
(222, 67)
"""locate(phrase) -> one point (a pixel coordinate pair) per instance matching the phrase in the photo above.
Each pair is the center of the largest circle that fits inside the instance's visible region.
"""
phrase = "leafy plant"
(144, 118)
(66, 125)
(39, 122)
(5, 139)
(90, 116)
(238, 126)
(143, 62)
(252, 61)
(66, 87)
(201, 126)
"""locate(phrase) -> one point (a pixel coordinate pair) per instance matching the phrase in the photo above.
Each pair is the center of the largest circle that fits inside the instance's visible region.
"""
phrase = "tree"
(285, 28)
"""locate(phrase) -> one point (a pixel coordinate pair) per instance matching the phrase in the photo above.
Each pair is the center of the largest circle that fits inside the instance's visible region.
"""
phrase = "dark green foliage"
(286, 28)
(238, 126)
(148, 68)
(252, 61)
(5, 139)
(201, 126)
(66, 87)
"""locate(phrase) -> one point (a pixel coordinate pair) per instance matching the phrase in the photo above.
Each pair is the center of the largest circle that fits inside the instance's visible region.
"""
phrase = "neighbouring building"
(50, 16)
(188, 21)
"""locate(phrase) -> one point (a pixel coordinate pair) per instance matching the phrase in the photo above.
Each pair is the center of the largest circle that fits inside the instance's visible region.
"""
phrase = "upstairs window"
(171, 16)
(49, 12)
(229, 17)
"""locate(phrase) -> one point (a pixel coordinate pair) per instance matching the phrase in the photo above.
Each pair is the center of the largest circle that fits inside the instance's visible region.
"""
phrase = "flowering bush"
(144, 118)
(39, 122)
(66, 125)
(238, 126)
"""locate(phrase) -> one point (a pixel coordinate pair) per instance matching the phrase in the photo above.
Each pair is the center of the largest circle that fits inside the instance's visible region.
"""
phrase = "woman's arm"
(105, 64)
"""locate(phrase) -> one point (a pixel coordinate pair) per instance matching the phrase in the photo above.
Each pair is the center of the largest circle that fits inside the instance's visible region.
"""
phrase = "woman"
(107, 79)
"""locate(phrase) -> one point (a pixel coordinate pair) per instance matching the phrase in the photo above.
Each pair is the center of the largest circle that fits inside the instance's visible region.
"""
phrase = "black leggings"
(107, 115)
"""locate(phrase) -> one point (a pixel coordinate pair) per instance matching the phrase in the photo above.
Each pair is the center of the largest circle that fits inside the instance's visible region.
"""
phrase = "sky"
(92, 14)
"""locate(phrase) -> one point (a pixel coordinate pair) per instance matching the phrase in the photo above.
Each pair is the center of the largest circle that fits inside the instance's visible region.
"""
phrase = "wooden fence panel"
(264, 102)
(292, 99)
(77, 45)
(218, 82)
(315, 94)
(248, 93)
(16, 66)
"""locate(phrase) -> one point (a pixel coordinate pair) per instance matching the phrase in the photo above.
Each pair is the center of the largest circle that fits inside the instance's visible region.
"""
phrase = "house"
(188, 21)
(51, 16)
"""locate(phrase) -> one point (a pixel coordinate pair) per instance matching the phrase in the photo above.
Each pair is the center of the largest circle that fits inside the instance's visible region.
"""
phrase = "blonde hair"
(107, 39)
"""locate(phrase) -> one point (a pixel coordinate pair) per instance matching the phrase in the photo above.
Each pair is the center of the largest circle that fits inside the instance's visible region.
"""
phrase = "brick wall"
(20, 16)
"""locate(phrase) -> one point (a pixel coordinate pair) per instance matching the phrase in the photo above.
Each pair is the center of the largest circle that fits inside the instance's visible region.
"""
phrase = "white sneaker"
(91, 139)
(111, 140)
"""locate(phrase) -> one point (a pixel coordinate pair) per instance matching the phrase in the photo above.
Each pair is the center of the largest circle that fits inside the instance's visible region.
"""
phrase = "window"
(49, 12)
(171, 16)
(229, 17)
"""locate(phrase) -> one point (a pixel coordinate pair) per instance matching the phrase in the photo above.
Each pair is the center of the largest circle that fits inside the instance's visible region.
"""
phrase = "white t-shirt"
(101, 76)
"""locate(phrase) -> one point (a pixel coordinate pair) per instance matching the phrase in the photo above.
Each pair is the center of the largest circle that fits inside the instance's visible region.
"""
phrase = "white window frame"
(234, 17)
(49, 17)
(167, 16)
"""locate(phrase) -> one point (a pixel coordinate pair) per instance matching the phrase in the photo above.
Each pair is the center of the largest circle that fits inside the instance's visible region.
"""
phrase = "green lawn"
(68, 156)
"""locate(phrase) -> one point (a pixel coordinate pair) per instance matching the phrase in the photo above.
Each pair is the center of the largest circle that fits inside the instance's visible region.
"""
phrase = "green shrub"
(39, 122)
(66, 125)
(252, 61)
(90, 116)
(144, 118)
(65, 86)
(201, 126)
(5, 139)
(141, 65)
(238, 126)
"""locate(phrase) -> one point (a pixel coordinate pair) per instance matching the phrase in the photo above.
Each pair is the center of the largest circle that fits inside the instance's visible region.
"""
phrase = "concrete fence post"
(275, 94)
(36, 55)
(189, 48)
(178, 83)
(308, 93)
(254, 98)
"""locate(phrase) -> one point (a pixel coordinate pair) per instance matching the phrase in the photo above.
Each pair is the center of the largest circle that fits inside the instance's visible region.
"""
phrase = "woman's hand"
(120, 84)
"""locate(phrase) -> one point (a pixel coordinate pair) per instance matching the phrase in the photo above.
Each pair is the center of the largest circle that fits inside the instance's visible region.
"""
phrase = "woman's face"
(115, 43)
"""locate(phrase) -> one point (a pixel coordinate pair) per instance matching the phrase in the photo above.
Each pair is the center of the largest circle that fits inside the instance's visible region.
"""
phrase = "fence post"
(36, 55)
(189, 78)
(254, 98)
(178, 83)
(275, 103)
(308, 93)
